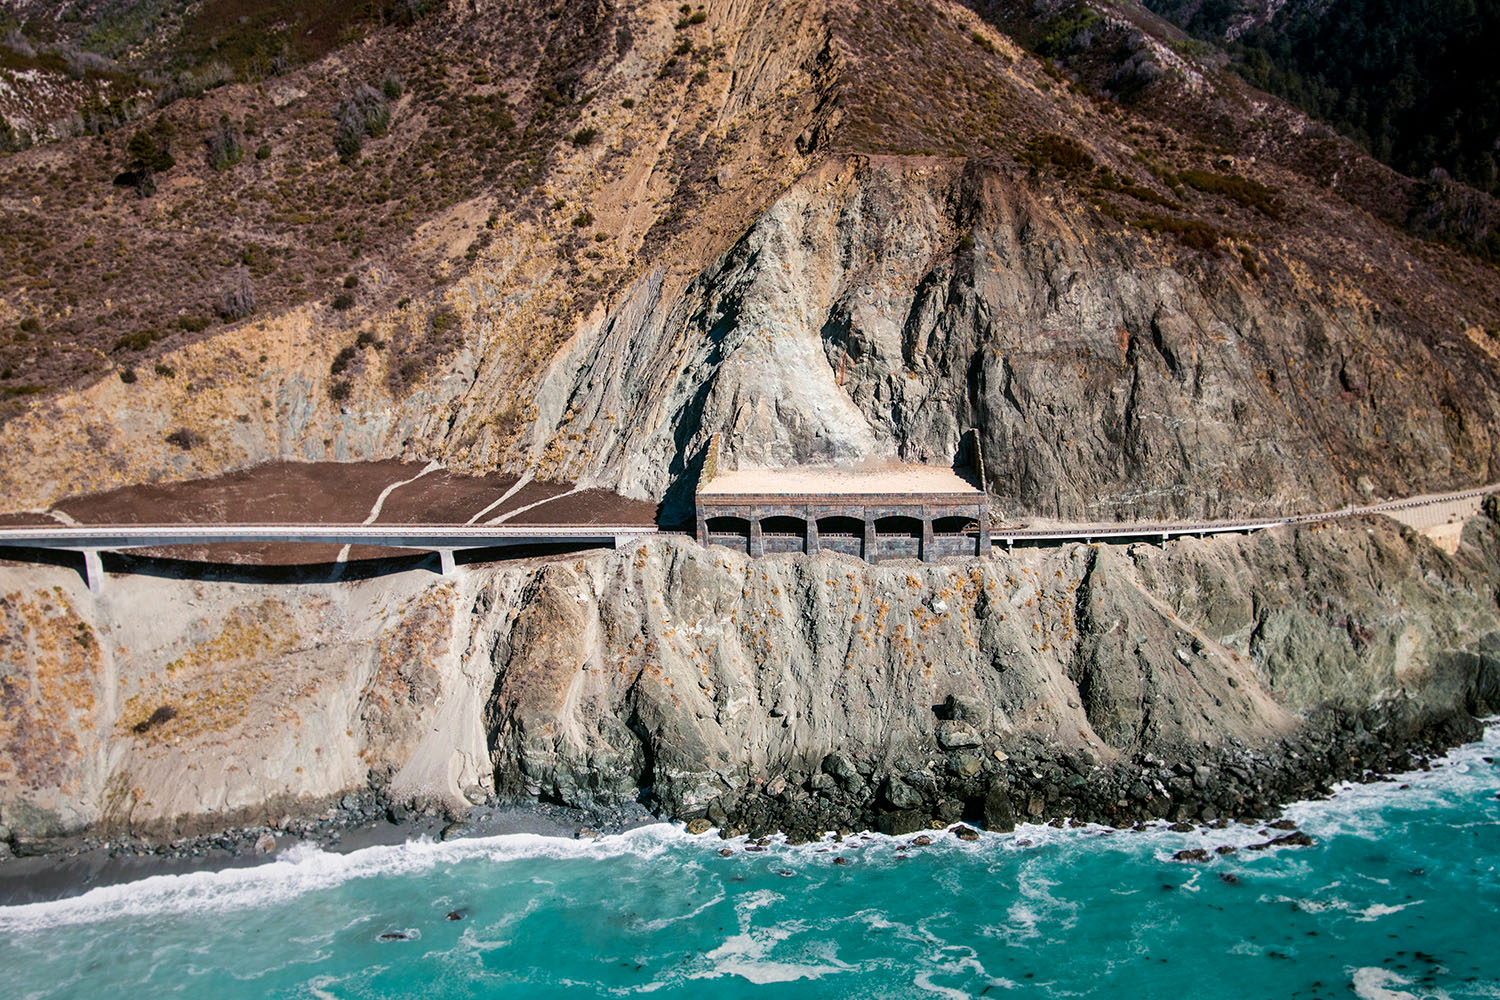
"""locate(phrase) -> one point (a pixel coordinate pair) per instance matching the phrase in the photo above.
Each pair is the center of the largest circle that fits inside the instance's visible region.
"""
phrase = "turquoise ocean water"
(1400, 898)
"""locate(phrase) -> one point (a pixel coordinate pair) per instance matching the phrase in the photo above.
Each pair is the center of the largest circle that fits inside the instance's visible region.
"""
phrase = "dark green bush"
(185, 438)
(1067, 155)
(1240, 190)
(224, 149)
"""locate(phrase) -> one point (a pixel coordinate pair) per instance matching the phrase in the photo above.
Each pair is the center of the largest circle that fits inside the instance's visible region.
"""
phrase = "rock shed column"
(757, 541)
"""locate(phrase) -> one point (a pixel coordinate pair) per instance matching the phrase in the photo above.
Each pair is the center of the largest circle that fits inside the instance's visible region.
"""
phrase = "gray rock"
(953, 735)
(899, 795)
(999, 813)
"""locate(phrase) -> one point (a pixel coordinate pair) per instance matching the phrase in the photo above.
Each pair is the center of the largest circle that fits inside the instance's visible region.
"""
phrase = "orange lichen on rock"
(50, 663)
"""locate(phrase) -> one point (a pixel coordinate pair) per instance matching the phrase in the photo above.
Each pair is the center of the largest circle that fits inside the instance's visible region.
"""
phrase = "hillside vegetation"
(579, 241)
(1412, 82)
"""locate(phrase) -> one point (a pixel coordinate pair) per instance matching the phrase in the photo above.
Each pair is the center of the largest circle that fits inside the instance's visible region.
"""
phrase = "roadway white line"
(525, 478)
(432, 466)
(521, 510)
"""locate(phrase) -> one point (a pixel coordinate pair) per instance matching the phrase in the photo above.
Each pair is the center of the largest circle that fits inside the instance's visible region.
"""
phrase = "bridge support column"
(445, 562)
(702, 530)
(812, 544)
(869, 546)
(1010, 546)
(757, 540)
(984, 531)
(93, 570)
(928, 555)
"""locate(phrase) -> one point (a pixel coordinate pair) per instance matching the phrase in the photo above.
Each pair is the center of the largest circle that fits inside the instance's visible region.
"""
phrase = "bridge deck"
(1422, 512)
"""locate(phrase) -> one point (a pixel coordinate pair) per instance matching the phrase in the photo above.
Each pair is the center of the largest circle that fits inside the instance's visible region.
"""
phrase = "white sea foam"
(303, 868)
(1374, 983)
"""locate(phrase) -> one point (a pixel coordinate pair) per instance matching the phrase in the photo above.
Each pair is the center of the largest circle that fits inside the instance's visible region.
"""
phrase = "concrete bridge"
(444, 539)
(1439, 515)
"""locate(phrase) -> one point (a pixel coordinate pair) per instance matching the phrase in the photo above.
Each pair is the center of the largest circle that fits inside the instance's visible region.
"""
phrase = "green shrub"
(628, 103)
(365, 113)
(224, 149)
(138, 341)
(185, 438)
(1067, 155)
(343, 301)
(585, 136)
(193, 324)
(165, 370)
(351, 281)
(1242, 191)
(1189, 232)
(127, 375)
(583, 219)
(263, 151)
(149, 149)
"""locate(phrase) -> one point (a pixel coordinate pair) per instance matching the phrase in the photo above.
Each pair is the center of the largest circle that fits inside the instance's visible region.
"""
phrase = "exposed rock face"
(794, 692)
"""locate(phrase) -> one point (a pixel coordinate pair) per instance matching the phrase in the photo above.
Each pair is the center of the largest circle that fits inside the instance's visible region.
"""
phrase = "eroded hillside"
(831, 231)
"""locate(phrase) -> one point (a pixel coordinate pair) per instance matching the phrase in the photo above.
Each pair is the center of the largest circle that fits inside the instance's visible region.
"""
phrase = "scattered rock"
(586, 833)
(395, 936)
(475, 794)
(965, 832)
(699, 826)
(1282, 824)
(1225, 849)
(955, 735)
(1298, 839)
(1229, 878)
(841, 860)
(265, 844)
(455, 829)
(921, 841)
(1181, 828)
(725, 852)
(1191, 854)
(456, 914)
(999, 813)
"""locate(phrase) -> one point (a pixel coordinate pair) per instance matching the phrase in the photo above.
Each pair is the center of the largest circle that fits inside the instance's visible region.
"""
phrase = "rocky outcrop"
(1208, 678)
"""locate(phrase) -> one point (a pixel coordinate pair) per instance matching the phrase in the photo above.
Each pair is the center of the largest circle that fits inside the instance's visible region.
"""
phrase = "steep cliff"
(800, 692)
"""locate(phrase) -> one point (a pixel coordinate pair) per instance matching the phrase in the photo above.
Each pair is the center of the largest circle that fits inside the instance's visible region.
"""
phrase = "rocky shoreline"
(965, 784)
(965, 780)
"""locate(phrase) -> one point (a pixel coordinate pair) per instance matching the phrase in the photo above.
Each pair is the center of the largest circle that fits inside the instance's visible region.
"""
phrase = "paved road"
(1420, 512)
(1423, 513)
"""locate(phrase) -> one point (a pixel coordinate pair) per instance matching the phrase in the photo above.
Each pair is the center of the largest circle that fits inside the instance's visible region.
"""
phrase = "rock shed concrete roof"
(871, 479)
